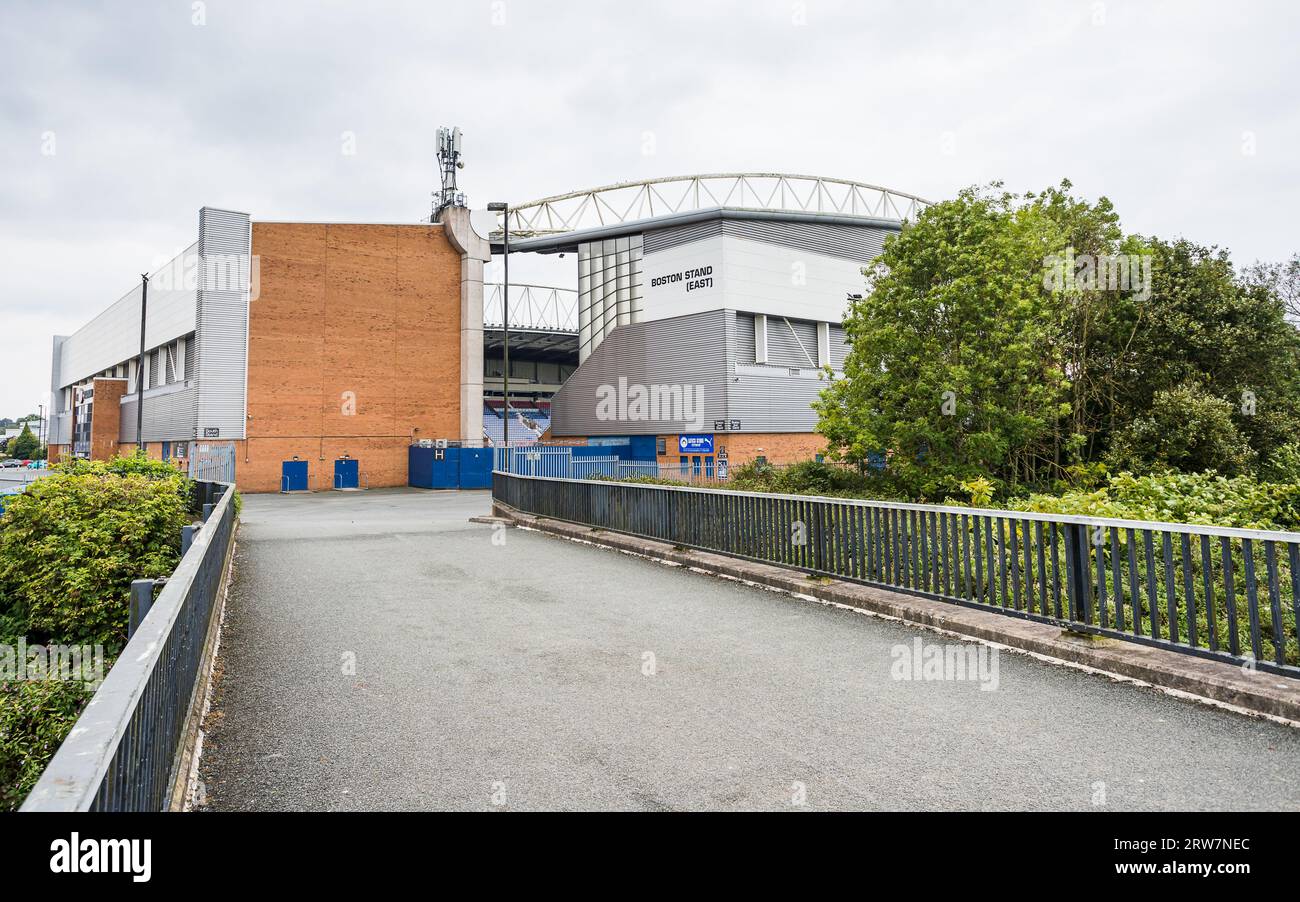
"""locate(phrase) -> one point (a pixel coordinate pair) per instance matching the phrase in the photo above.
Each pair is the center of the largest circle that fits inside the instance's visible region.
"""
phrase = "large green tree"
(25, 445)
(1013, 337)
(956, 367)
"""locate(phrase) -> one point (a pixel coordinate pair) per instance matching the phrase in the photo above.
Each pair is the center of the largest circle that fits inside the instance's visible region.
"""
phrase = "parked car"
(10, 463)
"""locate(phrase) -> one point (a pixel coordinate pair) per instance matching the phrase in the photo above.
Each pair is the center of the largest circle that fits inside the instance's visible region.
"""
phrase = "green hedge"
(69, 548)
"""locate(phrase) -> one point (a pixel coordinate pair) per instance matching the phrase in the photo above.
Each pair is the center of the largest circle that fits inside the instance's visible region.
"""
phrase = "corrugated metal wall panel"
(168, 415)
(60, 427)
(662, 239)
(221, 325)
(114, 335)
(743, 337)
(791, 345)
(700, 349)
(859, 243)
(684, 351)
(839, 346)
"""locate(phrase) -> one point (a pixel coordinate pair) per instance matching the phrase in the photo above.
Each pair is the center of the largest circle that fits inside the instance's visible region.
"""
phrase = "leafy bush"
(72, 543)
(69, 547)
(137, 464)
(35, 716)
(1185, 429)
(1204, 498)
(811, 477)
(1283, 465)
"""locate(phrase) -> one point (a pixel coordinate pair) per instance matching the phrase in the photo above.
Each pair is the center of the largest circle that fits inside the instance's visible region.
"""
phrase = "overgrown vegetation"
(69, 547)
(1022, 339)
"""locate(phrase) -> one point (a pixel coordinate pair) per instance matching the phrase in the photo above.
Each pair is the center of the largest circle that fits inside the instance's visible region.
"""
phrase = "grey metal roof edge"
(569, 241)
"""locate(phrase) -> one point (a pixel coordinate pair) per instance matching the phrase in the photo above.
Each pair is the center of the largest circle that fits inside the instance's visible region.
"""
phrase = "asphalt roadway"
(381, 652)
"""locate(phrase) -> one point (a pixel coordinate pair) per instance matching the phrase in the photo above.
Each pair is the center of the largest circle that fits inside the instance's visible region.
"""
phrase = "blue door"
(347, 473)
(293, 476)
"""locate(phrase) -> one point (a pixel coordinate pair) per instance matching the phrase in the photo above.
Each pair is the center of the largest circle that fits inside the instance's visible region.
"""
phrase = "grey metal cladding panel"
(862, 244)
(743, 345)
(662, 239)
(683, 351)
(783, 349)
(774, 403)
(168, 417)
(839, 347)
(56, 370)
(60, 426)
(859, 243)
(221, 333)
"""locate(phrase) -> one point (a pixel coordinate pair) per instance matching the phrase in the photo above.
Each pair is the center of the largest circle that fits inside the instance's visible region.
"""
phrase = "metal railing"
(123, 752)
(1216, 592)
(553, 460)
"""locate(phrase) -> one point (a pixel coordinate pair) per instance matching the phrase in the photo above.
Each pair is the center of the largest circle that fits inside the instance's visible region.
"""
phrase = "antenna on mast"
(448, 162)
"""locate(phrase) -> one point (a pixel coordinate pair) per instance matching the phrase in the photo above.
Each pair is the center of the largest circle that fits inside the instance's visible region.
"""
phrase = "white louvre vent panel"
(221, 333)
(609, 289)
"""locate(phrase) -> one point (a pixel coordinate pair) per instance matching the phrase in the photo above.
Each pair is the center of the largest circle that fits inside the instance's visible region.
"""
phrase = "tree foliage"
(956, 366)
(24, 445)
(970, 359)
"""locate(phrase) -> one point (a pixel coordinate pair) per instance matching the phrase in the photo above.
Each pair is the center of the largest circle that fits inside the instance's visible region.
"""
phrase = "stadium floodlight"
(504, 209)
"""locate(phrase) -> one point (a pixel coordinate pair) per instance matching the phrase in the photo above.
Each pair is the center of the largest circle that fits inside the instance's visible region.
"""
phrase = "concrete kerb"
(1214, 682)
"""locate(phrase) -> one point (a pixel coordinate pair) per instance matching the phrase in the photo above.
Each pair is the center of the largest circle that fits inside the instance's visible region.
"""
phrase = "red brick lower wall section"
(742, 447)
(381, 461)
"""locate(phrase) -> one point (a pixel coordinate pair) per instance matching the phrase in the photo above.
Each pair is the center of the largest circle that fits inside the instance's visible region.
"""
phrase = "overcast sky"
(119, 120)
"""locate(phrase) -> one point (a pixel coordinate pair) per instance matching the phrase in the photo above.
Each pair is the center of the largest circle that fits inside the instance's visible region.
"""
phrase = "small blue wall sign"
(695, 444)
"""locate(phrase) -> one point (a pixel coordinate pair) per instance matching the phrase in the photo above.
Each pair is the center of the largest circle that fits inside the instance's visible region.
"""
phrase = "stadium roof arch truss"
(626, 202)
(532, 307)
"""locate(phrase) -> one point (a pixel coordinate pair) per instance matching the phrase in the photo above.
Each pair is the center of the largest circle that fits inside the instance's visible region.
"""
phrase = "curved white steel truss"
(532, 307)
(630, 201)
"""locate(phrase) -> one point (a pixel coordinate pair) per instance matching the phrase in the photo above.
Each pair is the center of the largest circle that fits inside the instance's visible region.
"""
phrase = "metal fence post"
(187, 539)
(141, 601)
(207, 512)
(1079, 573)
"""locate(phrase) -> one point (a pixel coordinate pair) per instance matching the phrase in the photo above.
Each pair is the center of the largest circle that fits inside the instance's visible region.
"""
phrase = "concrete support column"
(823, 344)
(474, 252)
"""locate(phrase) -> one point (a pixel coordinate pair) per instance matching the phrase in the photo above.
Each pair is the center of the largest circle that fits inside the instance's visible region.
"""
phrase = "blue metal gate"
(212, 462)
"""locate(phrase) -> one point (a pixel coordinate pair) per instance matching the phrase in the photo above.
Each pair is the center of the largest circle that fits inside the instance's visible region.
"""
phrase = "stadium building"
(312, 355)
(710, 309)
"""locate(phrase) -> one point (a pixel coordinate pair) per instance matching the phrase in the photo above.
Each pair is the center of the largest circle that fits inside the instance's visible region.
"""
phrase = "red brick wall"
(106, 418)
(742, 447)
(354, 346)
